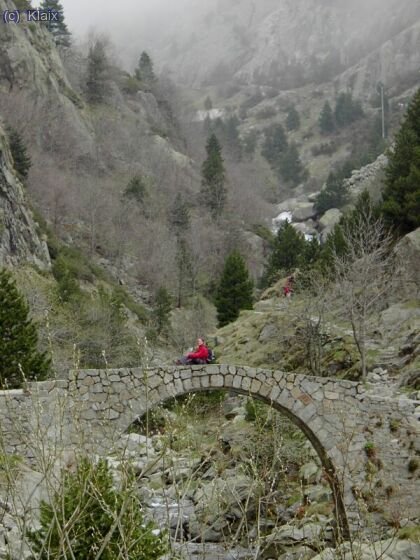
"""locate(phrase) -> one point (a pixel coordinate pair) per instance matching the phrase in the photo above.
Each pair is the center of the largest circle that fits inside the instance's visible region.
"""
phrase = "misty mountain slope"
(105, 177)
(84, 155)
(395, 63)
(285, 44)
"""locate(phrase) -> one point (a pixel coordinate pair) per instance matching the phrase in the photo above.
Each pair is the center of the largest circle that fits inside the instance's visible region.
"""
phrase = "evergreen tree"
(234, 291)
(23, 4)
(326, 119)
(275, 143)
(97, 73)
(335, 194)
(162, 310)
(208, 104)
(292, 119)
(347, 110)
(184, 265)
(18, 338)
(290, 167)
(144, 71)
(401, 197)
(232, 140)
(22, 161)
(86, 512)
(213, 190)
(57, 28)
(179, 215)
(286, 255)
(136, 189)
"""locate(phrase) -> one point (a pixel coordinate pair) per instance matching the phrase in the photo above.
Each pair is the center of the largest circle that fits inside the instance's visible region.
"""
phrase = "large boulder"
(303, 211)
(408, 253)
(391, 549)
(330, 219)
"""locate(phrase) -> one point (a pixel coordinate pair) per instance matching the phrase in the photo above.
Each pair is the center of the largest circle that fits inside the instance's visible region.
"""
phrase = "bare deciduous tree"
(364, 274)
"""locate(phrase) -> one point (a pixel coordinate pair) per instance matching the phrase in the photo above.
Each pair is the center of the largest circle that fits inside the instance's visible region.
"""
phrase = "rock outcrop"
(289, 44)
(34, 87)
(408, 251)
(19, 240)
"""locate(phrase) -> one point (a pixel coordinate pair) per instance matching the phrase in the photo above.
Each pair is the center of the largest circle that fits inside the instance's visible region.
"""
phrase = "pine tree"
(232, 140)
(401, 197)
(179, 215)
(292, 119)
(275, 143)
(162, 310)
(208, 103)
(57, 28)
(335, 194)
(234, 291)
(18, 338)
(290, 167)
(144, 71)
(184, 264)
(288, 249)
(87, 512)
(136, 189)
(22, 161)
(97, 73)
(347, 110)
(326, 119)
(213, 190)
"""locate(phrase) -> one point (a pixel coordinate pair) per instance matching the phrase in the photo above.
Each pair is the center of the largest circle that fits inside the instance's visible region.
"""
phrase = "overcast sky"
(81, 15)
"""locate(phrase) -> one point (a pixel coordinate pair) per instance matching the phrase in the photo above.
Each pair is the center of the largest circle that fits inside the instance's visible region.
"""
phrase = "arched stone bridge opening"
(353, 432)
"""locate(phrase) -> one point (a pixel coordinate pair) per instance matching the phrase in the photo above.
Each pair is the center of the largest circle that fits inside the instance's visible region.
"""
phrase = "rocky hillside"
(20, 242)
(288, 44)
(282, 333)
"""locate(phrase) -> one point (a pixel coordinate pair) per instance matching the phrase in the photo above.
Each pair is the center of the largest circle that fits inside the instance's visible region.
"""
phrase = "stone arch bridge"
(365, 442)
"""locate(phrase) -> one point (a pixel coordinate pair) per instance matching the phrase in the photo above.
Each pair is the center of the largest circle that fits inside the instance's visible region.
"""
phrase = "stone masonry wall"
(365, 443)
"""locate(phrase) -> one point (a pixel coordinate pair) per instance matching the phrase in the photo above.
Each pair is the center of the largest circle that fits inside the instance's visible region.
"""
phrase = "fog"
(132, 25)
(195, 28)
(82, 16)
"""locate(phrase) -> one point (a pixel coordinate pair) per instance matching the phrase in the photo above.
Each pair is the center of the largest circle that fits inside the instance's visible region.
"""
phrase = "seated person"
(199, 356)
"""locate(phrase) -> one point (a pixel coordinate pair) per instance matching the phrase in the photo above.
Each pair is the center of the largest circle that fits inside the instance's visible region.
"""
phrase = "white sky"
(112, 17)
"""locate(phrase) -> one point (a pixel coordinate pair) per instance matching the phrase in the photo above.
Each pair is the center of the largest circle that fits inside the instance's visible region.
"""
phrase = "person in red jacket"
(199, 356)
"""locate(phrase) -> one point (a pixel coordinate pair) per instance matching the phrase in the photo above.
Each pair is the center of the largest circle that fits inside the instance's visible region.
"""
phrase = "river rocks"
(329, 219)
(319, 494)
(391, 549)
(136, 444)
(210, 551)
(303, 211)
(310, 473)
(269, 331)
(307, 228)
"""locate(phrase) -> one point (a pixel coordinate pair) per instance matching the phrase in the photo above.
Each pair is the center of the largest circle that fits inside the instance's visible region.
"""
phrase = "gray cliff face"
(33, 83)
(19, 240)
(289, 43)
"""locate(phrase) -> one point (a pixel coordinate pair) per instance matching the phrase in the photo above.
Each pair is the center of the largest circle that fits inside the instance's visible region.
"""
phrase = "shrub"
(326, 148)
(266, 113)
(87, 513)
(413, 465)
